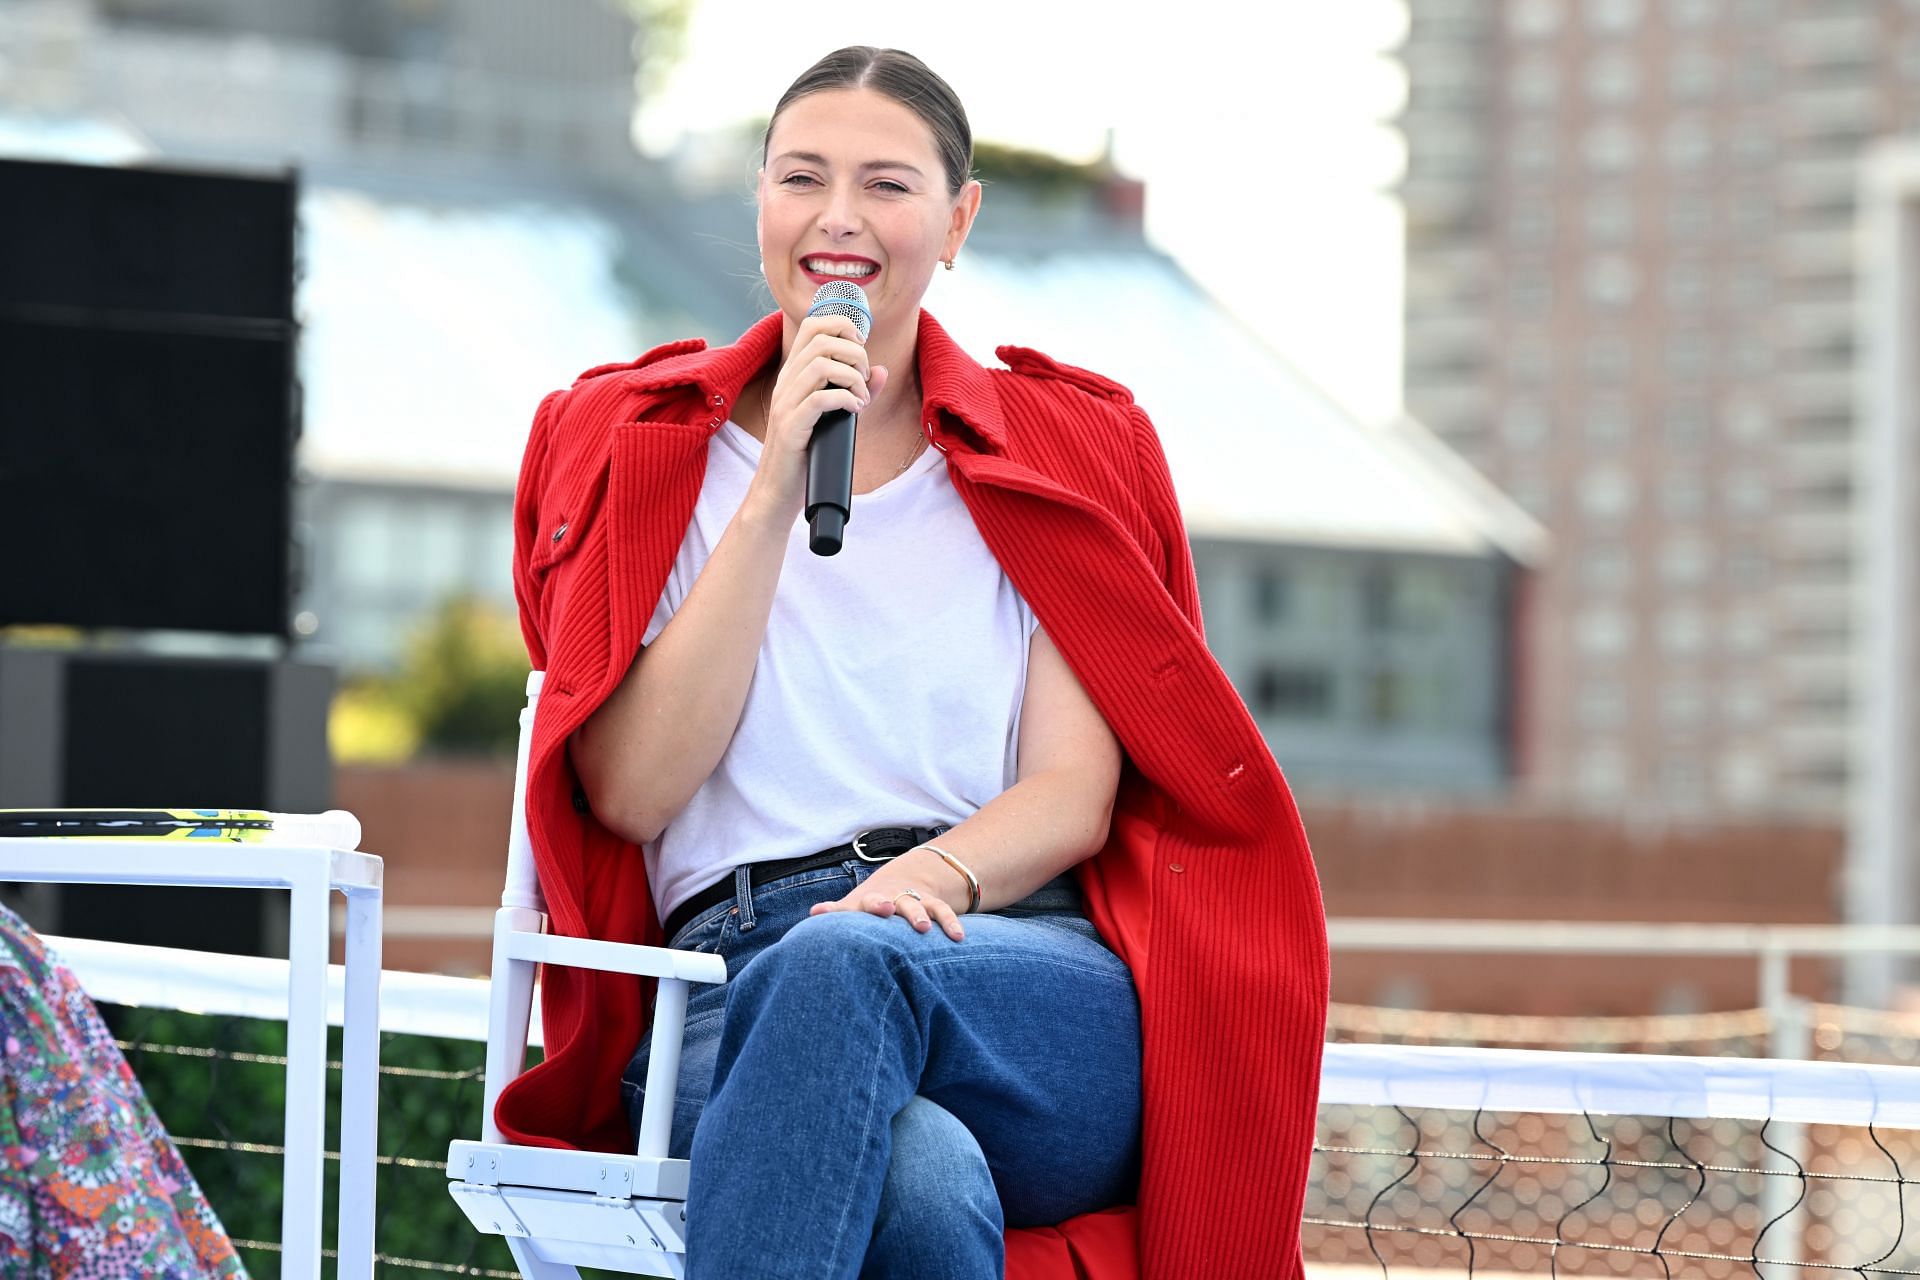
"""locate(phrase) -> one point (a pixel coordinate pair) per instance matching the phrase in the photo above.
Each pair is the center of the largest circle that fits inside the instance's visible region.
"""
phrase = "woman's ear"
(966, 207)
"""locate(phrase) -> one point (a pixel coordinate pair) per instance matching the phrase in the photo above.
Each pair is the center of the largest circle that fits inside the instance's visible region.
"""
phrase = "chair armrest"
(615, 957)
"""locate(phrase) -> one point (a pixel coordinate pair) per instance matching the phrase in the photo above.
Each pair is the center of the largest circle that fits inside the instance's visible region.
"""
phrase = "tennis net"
(1488, 1161)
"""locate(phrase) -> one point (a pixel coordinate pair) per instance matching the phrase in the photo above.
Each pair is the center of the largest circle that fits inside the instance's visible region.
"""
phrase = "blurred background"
(1537, 376)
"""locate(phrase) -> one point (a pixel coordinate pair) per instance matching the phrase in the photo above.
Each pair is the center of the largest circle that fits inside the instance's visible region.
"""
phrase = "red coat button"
(1174, 866)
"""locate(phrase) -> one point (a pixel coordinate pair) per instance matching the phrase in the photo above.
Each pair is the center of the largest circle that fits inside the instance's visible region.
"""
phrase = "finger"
(836, 398)
(940, 910)
(876, 379)
(836, 348)
(829, 322)
(843, 343)
(824, 369)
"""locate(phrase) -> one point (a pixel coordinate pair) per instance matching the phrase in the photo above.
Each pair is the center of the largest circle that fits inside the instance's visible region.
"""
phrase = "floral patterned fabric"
(91, 1187)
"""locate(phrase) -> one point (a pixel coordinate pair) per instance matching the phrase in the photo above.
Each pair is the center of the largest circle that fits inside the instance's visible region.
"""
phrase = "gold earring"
(947, 262)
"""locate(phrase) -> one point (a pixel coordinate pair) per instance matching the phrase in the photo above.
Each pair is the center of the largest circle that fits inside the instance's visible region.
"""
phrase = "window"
(1748, 421)
(1387, 698)
(1749, 565)
(1748, 493)
(1606, 493)
(1688, 143)
(1611, 145)
(1686, 560)
(1603, 631)
(1683, 704)
(1692, 75)
(1610, 217)
(1534, 492)
(1683, 779)
(1531, 358)
(1606, 566)
(1743, 777)
(1746, 632)
(1689, 359)
(1745, 704)
(1531, 220)
(1533, 149)
(1690, 218)
(1535, 83)
(1686, 426)
(1612, 280)
(1295, 693)
(1524, 423)
(1750, 287)
(1613, 15)
(1686, 284)
(1609, 424)
(1404, 597)
(1269, 594)
(1752, 145)
(1602, 772)
(1609, 360)
(1530, 293)
(1534, 18)
(1683, 631)
(366, 537)
(1753, 356)
(1602, 705)
(1612, 78)
(1683, 493)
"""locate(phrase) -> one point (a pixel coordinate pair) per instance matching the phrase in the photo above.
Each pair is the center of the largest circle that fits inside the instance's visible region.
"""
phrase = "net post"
(1789, 1036)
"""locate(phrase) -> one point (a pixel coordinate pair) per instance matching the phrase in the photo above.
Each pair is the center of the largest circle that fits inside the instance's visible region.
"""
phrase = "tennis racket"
(334, 829)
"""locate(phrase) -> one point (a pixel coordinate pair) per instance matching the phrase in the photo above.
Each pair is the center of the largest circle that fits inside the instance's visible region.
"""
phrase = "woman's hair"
(908, 81)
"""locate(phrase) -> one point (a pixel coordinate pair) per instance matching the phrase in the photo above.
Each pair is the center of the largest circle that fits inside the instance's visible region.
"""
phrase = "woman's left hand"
(884, 893)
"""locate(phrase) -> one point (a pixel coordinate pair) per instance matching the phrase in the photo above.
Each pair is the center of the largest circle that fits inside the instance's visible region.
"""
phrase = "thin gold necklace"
(766, 425)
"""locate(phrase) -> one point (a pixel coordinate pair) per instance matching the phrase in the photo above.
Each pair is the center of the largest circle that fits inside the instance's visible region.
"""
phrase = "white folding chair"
(564, 1209)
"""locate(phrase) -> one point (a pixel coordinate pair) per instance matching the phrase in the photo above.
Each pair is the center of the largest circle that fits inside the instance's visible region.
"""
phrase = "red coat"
(1205, 886)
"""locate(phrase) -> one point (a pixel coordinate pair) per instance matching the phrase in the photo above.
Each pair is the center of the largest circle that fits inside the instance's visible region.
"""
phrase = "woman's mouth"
(821, 269)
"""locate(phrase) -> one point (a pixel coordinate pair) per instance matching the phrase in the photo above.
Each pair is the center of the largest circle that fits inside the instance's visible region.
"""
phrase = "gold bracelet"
(973, 885)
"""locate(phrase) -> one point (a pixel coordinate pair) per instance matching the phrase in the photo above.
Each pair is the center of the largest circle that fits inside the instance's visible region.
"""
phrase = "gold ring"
(914, 893)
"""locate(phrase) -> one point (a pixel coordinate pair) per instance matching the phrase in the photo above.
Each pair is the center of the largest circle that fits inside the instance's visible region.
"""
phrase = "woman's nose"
(840, 218)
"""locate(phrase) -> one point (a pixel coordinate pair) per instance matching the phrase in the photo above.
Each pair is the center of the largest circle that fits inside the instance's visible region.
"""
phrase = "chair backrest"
(523, 881)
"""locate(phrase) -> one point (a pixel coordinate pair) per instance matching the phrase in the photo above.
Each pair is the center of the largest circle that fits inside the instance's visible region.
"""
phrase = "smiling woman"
(929, 798)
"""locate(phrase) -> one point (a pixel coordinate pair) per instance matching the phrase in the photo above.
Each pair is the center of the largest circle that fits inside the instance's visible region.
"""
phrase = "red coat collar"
(951, 381)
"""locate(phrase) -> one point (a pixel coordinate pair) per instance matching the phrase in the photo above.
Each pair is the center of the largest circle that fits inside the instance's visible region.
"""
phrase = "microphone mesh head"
(843, 298)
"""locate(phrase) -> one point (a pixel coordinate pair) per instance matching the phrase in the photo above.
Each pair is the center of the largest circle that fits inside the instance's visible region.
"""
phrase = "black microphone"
(830, 451)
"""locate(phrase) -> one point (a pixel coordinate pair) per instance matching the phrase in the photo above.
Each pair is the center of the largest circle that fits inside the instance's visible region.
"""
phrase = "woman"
(931, 798)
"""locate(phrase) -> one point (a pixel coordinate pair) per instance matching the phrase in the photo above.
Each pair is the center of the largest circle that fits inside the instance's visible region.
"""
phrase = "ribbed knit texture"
(1206, 886)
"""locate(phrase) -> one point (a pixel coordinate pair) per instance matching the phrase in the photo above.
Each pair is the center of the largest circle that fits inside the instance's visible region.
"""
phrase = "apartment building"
(1630, 302)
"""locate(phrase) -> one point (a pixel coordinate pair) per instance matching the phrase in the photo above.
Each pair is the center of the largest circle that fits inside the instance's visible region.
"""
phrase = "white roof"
(432, 327)
(1256, 450)
(431, 332)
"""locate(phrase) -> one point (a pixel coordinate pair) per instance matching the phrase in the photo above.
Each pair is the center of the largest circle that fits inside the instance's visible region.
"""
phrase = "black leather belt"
(878, 844)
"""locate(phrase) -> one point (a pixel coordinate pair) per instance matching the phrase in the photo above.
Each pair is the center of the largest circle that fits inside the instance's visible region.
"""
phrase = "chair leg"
(533, 1267)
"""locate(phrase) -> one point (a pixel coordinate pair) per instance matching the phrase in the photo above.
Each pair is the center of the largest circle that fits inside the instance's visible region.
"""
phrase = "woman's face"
(853, 183)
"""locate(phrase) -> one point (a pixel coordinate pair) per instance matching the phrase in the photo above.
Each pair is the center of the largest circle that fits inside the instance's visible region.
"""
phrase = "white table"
(310, 875)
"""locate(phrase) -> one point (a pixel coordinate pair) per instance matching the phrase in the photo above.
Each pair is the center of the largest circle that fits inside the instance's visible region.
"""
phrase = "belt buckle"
(862, 854)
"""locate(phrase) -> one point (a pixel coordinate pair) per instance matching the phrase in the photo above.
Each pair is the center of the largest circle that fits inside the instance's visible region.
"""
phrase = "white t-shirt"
(887, 691)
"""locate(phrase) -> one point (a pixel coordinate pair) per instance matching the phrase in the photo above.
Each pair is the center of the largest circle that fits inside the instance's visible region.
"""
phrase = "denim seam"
(881, 1040)
(1000, 953)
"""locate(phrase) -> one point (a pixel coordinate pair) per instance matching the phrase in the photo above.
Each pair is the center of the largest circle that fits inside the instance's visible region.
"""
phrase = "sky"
(1261, 131)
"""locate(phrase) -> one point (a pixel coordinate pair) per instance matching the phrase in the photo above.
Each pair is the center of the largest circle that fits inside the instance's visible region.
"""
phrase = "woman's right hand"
(827, 369)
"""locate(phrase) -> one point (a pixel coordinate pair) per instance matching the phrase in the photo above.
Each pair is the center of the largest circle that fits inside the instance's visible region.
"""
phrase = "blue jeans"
(862, 1099)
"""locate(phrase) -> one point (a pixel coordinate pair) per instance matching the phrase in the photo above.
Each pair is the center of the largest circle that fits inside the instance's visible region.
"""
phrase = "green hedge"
(224, 1098)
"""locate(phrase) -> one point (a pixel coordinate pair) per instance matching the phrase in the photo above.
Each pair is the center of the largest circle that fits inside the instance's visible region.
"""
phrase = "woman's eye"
(798, 177)
(892, 186)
